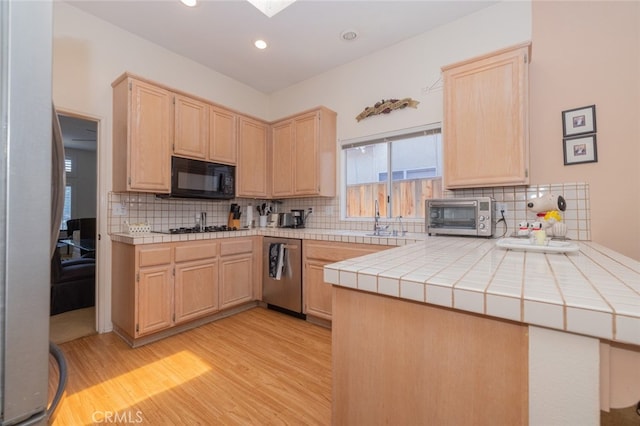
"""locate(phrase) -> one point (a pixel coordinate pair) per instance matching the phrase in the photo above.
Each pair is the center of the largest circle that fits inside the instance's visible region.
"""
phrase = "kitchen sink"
(382, 234)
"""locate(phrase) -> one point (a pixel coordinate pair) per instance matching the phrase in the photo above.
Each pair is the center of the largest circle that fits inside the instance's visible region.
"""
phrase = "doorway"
(75, 315)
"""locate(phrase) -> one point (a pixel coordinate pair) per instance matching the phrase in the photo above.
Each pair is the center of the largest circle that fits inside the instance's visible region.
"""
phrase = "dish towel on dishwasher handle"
(276, 260)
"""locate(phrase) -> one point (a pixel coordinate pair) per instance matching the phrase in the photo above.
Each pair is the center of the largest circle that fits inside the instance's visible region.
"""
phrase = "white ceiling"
(304, 39)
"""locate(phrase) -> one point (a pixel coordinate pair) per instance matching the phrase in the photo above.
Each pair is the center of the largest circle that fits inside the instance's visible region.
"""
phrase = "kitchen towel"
(276, 260)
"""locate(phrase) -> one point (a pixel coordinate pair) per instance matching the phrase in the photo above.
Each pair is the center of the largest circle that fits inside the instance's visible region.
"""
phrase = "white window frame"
(371, 139)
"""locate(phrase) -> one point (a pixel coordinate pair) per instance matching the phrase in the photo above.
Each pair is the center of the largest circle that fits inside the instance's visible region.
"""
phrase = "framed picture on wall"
(579, 121)
(581, 149)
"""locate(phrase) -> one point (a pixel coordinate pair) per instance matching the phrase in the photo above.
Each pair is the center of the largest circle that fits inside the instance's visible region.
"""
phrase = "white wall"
(563, 378)
(89, 54)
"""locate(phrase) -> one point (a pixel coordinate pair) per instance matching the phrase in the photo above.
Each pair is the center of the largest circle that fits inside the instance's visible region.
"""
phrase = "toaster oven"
(460, 216)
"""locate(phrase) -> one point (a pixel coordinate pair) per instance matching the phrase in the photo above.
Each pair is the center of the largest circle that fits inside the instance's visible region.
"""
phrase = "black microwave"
(202, 179)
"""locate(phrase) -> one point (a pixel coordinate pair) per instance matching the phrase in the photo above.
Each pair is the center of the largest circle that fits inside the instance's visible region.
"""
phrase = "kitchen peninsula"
(454, 330)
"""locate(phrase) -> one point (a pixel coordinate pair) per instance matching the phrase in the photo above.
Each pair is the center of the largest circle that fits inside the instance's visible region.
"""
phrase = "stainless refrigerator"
(26, 222)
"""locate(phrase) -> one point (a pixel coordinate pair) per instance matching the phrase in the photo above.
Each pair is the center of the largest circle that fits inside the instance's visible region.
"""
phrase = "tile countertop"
(346, 236)
(593, 292)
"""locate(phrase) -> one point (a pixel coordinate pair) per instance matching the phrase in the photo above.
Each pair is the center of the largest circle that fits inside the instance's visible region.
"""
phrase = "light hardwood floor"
(257, 367)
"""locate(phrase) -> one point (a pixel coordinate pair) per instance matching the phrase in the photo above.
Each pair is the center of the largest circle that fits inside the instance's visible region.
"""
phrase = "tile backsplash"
(162, 214)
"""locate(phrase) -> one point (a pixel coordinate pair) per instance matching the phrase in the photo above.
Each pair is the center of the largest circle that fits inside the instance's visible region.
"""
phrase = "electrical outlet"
(310, 209)
(119, 209)
(501, 208)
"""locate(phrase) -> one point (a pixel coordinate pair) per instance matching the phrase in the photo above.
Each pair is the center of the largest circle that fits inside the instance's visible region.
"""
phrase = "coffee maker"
(298, 218)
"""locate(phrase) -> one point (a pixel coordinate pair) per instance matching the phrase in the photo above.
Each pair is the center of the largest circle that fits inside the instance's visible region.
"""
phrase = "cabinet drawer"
(151, 256)
(336, 252)
(185, 252)
(235, 247)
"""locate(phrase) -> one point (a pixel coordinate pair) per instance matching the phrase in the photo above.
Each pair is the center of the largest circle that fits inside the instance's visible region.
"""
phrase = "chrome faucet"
(401, 231)
(377, 228)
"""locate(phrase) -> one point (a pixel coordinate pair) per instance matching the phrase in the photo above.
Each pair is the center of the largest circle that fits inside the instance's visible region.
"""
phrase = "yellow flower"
(553, 214)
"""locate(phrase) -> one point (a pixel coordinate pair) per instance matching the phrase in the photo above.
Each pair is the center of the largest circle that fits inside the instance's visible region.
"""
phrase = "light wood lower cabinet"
(237, 272)
(154, 302)
(317, 254)
(196, 280)
(156, 287)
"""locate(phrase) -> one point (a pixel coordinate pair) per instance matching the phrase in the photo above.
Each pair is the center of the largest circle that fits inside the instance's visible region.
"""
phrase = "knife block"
(233, 223)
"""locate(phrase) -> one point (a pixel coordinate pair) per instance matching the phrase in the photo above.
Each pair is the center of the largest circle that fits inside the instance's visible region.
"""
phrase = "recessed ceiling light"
(190, 3)
(260, 44)
(349, 35)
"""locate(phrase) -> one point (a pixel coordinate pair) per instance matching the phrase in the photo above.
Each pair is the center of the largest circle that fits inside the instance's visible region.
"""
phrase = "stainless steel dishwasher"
(282, 275)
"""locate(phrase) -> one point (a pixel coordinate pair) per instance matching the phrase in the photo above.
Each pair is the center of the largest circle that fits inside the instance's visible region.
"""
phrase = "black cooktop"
(196, 230)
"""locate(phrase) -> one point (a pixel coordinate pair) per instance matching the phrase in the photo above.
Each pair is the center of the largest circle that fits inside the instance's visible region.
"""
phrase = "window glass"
(70, 173)
(66, 211)
(400, 172)
(366, 178)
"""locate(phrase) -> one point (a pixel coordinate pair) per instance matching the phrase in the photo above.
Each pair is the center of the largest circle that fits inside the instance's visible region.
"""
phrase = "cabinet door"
(154, 304)
(306, 158)
(150, 132)
(486, 140)
(196, 289)
(317, 293)
(283, 151)
(252, 159)
(236, 279)
(222, 135)
(191, 127)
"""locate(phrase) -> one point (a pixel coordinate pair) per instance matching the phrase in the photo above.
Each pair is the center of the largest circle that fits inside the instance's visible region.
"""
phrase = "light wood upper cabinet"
(252, 169)
(282, 157)
(304, 155)
(294, 157)
(142, 135)
(191, 127)
(222, 135)
(486, 132)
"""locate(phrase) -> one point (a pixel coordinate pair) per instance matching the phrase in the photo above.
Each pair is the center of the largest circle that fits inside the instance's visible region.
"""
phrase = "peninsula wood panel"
(399, 362)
